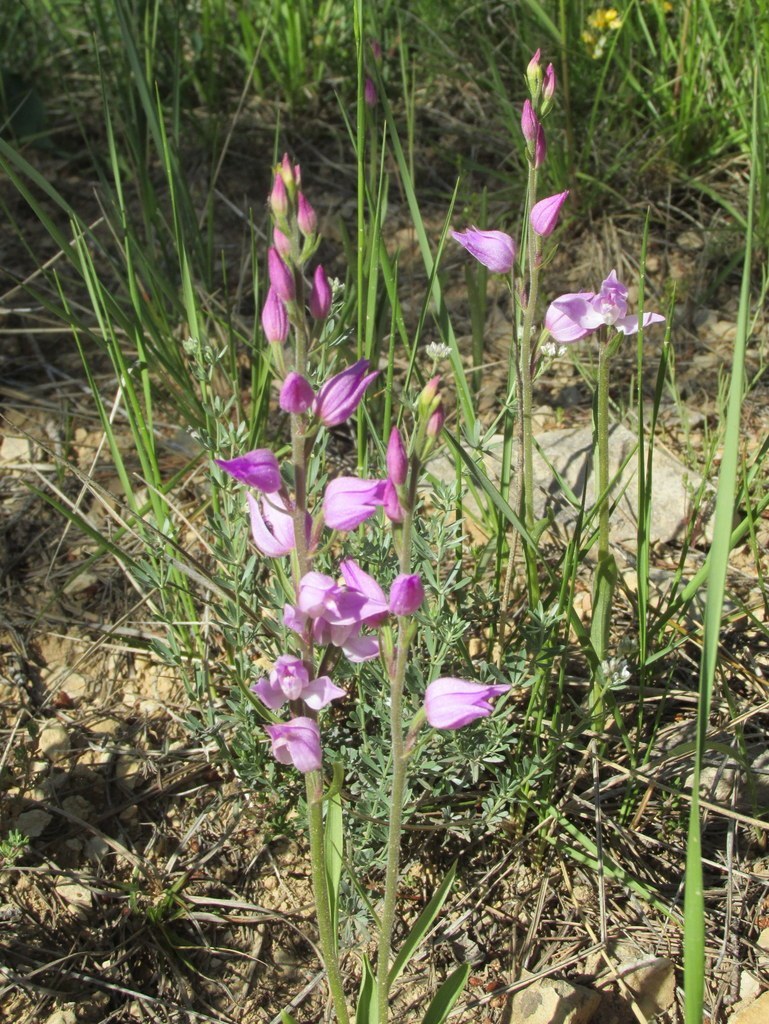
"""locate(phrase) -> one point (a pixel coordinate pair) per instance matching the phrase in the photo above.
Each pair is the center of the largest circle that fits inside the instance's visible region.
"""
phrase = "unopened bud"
(397, 459)
(534, 78)
(281, 278)
(429, 398)
(319, 300)
(274, 319)
(282, 243)
(529, 124)
(305, 216)
(279, 198)
(548, 88)
(435, 423)
(296, 395)
(369, 93)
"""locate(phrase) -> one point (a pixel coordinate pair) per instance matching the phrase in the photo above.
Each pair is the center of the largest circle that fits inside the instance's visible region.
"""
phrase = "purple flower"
(290, 680)
(391, 503)
(296, 395)
(577, 314)
(494, 249)
(349, 501)
(258, 469)
(451, 703)
(274, 319)
(306, 218)
(544, 214)
(369, 93)
(340, 396)
(281, 278)
(397, 459)
(272, 525)
(335, 615)
(406, 594)
(319, 300)
(375, 609)
(298, 743)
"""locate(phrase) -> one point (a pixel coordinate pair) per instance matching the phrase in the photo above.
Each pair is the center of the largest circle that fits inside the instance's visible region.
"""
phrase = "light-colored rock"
(568, 455)
(653, 984)
(750, 987)
(79, 807)
(129, 770)
(762, 960)
(549, 1001)
(756, 1013)
(53, 741)
(76, 898)
(63, 1016)
(33, 823)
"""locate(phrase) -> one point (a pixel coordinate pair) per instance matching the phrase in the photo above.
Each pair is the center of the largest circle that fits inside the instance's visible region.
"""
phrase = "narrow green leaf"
(444, 999)
(366, 1011)
(694, 905)
(333, 842)
(422, 924)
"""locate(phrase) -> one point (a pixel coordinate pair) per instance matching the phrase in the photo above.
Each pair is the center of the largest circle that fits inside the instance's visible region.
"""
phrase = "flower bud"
(279, 198)
(274, 319)
(376, 49)
(429, 399)
(281, 278)
(540, 147)
(436, 421)
(319, 299)
(296, 395)
(548, 88)
(534, 78)
(305, 216)
(341, 395)
(369, 93)
(397, 459)
(494, 249)
(282, 243)
(406, 594)
(544, 214)
(529, 124)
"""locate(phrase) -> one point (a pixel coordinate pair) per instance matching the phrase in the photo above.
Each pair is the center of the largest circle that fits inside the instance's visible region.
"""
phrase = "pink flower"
(282, 243)
(272, 525)
(406, 594)
(544, 214)
(296, 395)
(548, 85)
(494, 249)
(334, 614)
(451, 703)
(529, 123)
(258, 469)
(369, 93)
(577, 314)
(281, 278)
(274, 319)
(290, 680)
(340, 396)
(319, 301)
(349, 501)
(298, 743)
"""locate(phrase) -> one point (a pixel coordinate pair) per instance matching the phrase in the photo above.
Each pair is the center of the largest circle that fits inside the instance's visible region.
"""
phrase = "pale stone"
(63, 1016)
(750, 987)
(755, 1013)
(569, 454)
(53, 741)
(79, 807)
(75, 897)
(554, 1000)
(129, 770)
(33, 823)
(653, 983)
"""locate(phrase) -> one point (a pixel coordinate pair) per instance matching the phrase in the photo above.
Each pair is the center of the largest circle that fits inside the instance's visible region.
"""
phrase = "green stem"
(400, 756)
(602, 435)
(328, 943)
